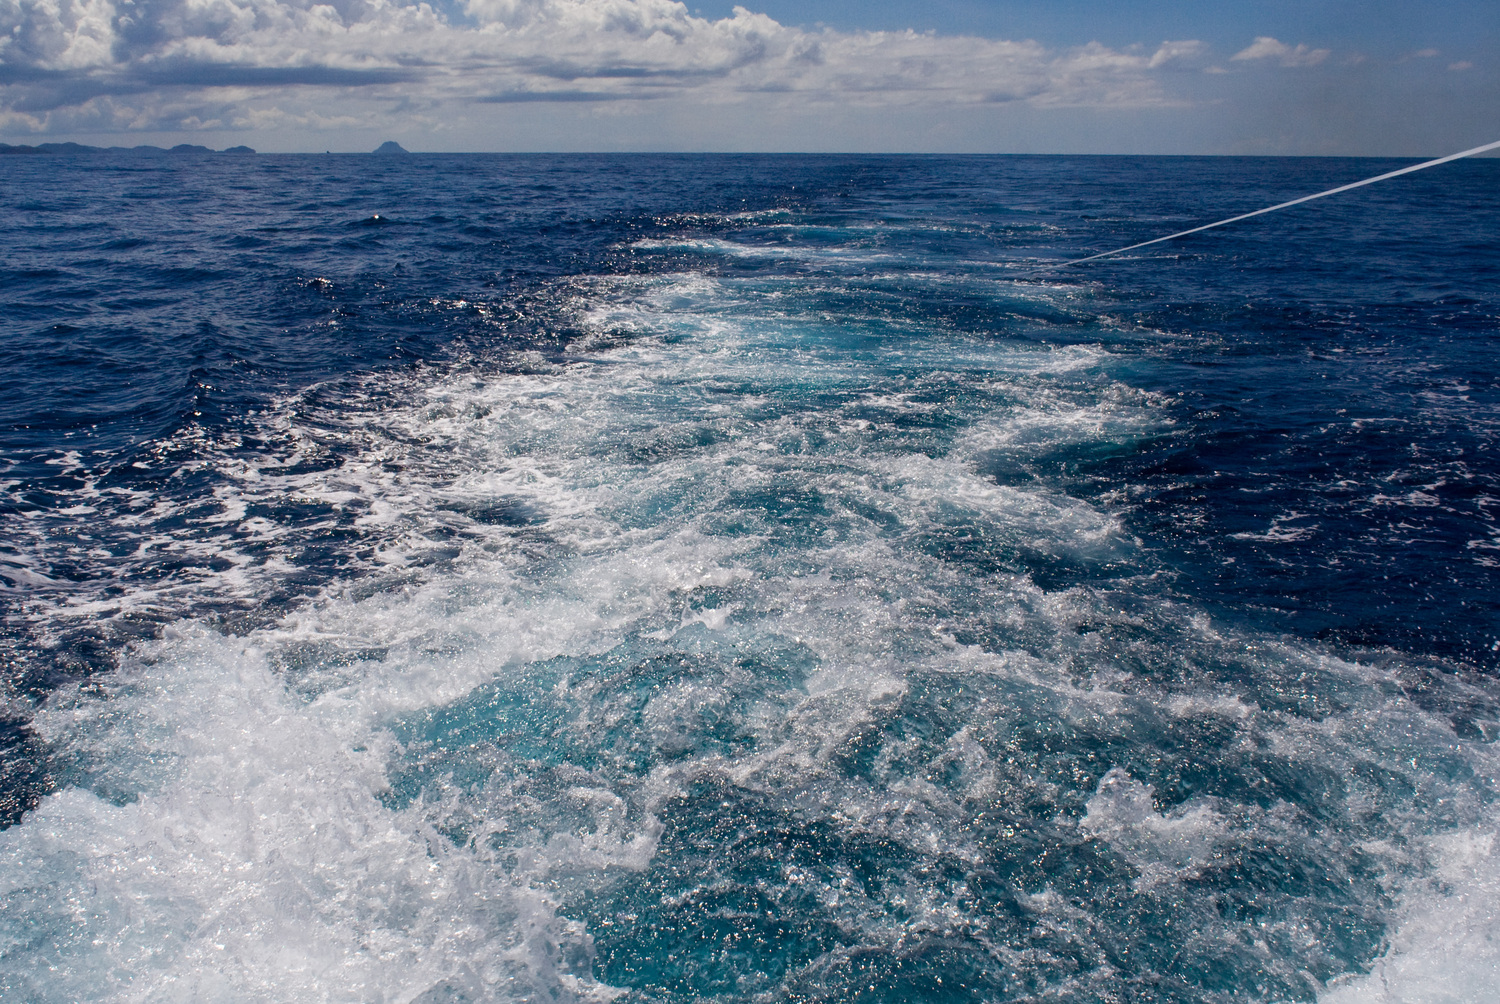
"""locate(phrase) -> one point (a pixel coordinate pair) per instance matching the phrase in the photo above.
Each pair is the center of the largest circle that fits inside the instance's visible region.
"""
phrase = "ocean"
(440, 579)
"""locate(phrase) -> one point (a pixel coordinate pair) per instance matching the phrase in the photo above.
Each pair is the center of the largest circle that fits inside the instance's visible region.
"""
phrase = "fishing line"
(1283, 205)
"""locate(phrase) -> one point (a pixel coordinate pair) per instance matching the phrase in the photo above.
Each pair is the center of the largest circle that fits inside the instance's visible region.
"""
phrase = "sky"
(1368, 78)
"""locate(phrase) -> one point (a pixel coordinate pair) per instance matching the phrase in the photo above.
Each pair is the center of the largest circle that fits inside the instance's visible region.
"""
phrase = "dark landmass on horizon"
(65, 148)
(389, 147)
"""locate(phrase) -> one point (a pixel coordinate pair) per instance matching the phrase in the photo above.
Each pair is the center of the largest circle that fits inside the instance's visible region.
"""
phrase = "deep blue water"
(468, 578)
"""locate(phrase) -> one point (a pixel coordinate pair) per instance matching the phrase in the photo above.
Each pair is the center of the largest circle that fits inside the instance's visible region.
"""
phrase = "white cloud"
(1460, 66)
(1418, 54)
(173, 64)
(1177, 53)
(1266, 47)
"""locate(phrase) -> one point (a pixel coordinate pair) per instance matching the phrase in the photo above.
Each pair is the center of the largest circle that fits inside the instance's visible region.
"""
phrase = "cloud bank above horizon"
(368, 67)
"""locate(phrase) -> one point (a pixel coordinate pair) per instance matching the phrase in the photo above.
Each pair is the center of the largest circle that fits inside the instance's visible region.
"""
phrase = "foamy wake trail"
(225, 831)
(734, 682)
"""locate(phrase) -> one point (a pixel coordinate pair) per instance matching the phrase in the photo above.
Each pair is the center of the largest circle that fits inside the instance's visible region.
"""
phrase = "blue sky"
(1070, 76)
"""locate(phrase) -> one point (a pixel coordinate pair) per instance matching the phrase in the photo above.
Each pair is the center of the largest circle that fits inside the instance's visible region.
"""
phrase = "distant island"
(74, 148)
(388, 148)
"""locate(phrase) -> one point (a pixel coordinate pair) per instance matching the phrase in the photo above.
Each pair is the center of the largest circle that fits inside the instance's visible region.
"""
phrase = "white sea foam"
(227, 838)
(1446, 946)
(1163, 847)
(716, 475)
(233, 847)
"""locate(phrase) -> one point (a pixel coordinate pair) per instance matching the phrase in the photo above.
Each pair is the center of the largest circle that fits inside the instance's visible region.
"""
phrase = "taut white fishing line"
(1306, 198)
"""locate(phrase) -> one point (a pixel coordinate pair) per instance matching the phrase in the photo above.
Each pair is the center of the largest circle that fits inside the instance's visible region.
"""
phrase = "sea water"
(750, 579)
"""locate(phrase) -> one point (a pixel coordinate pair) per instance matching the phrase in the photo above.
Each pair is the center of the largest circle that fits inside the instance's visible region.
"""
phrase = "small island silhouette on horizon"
(390, 146)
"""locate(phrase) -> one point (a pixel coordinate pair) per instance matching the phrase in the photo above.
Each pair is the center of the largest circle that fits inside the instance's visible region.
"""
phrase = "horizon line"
(243, 151)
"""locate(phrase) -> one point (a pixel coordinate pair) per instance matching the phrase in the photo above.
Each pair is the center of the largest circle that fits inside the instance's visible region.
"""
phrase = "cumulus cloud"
(1266, 47)
(168, 64)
